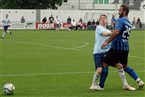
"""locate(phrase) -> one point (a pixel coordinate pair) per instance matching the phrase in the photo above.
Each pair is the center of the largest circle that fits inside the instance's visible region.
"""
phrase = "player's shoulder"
(99, 27)
(120, 19)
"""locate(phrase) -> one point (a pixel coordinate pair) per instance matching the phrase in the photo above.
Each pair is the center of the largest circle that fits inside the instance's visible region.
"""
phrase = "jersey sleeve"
(118, 24)
(99, 29)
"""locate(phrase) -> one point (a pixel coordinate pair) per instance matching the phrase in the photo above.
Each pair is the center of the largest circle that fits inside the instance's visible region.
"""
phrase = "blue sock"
(131, 72)
(103, 77)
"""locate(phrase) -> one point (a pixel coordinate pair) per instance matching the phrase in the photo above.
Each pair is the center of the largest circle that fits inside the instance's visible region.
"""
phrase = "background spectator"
(89, 25)
(113, 20)
(79, 24)
(57, 23)
(133, 23)
(51, 19)
(44, 20)
(22, 19)
(97, 22)
(69, 20)
(139, 22)
(94, 24)
(73, 25)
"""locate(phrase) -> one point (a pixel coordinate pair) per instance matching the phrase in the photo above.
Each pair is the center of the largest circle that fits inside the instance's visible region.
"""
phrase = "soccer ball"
(8, 89)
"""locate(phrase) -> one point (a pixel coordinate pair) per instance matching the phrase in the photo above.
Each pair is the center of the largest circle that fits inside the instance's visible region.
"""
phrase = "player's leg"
(98, 59)
(103, 76)
(123, 59)
(112, 59)
(134, 75)
(5, 31)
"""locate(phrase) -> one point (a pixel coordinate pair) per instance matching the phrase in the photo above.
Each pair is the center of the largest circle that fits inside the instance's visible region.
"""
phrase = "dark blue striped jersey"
(121, 42)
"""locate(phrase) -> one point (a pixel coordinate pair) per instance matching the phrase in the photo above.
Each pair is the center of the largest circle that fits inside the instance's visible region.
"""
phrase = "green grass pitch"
(48, 63)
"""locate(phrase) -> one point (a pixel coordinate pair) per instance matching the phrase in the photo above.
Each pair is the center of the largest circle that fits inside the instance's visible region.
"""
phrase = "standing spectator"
(51, 19)
(94, 24)
(133, 23)
(113, 20)
(57, 23)
(139, 22)
(22, 19)
(69, 20)
(44, 20)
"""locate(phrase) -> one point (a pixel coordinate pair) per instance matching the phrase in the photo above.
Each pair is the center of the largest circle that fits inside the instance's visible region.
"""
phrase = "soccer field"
(48, 63)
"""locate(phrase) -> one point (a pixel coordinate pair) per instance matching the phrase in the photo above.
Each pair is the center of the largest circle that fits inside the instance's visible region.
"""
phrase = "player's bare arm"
(105, 34)
(114, 34)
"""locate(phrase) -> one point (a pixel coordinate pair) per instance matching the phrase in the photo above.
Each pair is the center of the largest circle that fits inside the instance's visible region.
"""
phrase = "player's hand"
(104, 44)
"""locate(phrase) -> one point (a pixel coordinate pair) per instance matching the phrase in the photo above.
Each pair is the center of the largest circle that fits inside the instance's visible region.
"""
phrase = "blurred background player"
(117, 56)
(6, 24)
(101, 35)
(113, 20)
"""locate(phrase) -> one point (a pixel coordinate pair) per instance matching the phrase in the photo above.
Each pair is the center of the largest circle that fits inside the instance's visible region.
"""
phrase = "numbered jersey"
(121, 42)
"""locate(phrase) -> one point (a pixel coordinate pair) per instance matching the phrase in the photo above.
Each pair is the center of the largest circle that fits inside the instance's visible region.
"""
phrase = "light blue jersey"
(100, 39)
(6, 22)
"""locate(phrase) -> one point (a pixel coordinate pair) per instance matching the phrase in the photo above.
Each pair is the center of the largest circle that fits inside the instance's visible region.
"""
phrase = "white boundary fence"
(31, 23)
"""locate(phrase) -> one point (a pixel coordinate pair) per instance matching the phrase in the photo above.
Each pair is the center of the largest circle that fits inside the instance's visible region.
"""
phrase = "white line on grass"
(74, 49)
(57, 73)
(137, 57)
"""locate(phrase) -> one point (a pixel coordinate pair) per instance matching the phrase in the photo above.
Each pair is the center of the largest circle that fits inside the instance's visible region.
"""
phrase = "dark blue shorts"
(98, 59)
(6, 28)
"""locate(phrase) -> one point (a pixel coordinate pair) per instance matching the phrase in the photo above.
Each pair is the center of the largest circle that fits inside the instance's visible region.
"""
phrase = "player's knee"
(99, 70)
(119, 66)
(105, 65)
(124, 66)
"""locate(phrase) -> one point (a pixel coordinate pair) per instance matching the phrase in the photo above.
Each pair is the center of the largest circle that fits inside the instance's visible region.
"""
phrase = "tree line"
(30, 4)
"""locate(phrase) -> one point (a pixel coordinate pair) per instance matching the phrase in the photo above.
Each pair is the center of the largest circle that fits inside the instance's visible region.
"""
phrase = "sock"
(123, 77)
(131, 72)
(95, 77)
(3, 35)
(103, 77)
(138, 80)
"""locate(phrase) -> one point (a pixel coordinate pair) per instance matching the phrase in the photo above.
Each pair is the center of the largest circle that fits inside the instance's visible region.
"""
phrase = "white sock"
(138, 79)
(95, 77)
(123, 77)
(3, 35)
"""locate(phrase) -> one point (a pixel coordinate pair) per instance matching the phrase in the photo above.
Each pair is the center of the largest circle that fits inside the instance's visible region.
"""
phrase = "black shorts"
(116, 56)
(6, 28)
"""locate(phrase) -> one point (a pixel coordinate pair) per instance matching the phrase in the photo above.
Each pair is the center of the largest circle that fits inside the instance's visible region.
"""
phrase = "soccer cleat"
(128, 87)
(140, 84)
(99, 88)
(2, 37)
(10, 33)
(93, 87)
(96, 87)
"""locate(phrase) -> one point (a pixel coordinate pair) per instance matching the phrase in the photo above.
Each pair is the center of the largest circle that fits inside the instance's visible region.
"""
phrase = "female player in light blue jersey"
(6, 24)
(101, 35)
